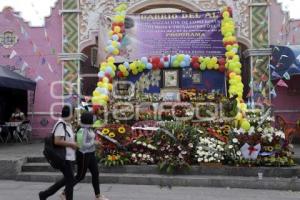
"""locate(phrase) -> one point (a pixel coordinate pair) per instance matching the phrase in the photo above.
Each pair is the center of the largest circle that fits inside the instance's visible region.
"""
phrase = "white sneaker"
(102, 197)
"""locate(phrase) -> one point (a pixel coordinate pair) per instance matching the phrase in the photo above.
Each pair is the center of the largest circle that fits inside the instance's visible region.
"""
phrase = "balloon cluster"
(210, 63)
(117, 30)
(104, 86)
(233, 66)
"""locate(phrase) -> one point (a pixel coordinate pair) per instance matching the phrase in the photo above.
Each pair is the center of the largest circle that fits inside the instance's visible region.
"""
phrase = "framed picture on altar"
(170, 94)
(170, 78)
(196, 77)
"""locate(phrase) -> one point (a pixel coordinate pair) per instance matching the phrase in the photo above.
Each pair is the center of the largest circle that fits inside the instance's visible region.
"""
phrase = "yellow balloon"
(245, 125)
(111, 59)
(116, 52)
(105, 80)
(110, 87)
(117, 29)
(96, 93)
(111, 33)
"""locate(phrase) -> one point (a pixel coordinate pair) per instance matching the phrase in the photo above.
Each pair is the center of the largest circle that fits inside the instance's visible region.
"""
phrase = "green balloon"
(79, 137)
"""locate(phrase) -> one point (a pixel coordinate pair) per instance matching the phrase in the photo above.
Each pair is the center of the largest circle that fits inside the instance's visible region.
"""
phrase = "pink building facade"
(33, 53)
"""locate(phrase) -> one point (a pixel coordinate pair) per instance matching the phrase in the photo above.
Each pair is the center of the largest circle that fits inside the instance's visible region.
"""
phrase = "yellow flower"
(121, 129)
(109, 157)
(105, 131)
(112, 134)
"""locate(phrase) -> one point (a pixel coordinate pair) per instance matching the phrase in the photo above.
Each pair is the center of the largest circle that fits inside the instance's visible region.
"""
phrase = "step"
(284, 172)
(36, 160)
(178, 180)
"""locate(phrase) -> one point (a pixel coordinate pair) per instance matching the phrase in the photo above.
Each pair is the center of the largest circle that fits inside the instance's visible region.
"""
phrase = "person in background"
(17, 116)
(64, 136)
(86, 158)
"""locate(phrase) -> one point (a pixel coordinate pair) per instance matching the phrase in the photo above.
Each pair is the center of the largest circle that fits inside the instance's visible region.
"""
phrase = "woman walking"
(64, 137)
(86, 158)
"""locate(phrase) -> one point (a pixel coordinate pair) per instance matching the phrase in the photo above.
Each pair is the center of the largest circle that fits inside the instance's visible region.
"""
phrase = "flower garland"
(231, 62)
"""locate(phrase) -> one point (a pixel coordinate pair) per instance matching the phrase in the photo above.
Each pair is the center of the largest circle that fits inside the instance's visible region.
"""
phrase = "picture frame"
(197, 77)
(170, 78)
(170, 94)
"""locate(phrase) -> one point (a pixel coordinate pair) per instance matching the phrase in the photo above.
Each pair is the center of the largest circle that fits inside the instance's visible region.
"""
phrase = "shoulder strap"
(64, 126)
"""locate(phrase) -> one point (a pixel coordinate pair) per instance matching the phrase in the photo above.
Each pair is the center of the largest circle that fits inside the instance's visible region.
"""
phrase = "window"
(8, 39)
(94, 54)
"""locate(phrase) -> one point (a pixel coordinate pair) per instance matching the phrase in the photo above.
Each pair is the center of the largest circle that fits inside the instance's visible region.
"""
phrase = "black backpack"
(55, 155)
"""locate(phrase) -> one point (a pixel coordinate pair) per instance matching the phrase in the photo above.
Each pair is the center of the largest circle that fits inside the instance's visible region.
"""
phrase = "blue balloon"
(144, 60)
(110, 48)
(166, 64)
(102, 90)
(149, 66)
(173, 58)
(109, 42)
(101, 74)
(126, 64)
(182, 64)
(109, 70)
(187, 58)
(115, 37)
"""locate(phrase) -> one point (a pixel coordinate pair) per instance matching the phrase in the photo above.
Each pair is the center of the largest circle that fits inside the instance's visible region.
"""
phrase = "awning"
(285, 60)
(10, 79)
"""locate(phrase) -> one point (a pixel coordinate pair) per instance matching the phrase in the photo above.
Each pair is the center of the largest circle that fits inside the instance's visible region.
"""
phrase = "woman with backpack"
(85, 156)
(64, 137)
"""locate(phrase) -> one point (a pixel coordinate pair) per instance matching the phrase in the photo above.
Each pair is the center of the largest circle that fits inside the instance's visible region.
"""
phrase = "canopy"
(285, 60)
(10, 79)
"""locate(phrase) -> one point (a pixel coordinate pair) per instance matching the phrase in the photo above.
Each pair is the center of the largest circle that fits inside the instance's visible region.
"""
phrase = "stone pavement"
(10, 190)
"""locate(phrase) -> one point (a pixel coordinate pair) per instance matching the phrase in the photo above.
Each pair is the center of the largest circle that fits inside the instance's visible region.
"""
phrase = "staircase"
(36, 169)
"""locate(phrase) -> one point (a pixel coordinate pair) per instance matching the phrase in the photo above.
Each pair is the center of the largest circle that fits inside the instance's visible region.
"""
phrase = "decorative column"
(71, 56)
(259, 53)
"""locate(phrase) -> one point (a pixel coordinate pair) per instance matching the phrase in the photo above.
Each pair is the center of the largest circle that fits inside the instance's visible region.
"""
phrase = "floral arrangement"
(142, 151)
(176, 143)
(210, 150)
(115, 160)
(112, 137)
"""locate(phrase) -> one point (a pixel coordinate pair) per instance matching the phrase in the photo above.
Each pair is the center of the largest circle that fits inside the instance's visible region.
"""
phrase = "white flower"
(144, 156)
(230, 146)
(205, 160)
(234, 140)
(140, 155)
(133, 155)
(200, 148)
(144, 144)
(180, 156)
(200, 159)
(239, 153)
(183, 152)
(216, 155)
(191, 145)
(138, 142)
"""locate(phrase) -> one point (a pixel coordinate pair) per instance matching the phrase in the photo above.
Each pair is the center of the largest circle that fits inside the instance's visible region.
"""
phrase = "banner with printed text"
(168, 33)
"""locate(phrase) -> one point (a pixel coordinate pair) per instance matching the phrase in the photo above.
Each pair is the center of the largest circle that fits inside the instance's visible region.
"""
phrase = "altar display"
(183, 106)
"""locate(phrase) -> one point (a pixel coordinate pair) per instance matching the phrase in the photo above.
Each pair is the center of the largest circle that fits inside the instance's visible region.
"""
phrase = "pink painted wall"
(283, 29)
(39, 52)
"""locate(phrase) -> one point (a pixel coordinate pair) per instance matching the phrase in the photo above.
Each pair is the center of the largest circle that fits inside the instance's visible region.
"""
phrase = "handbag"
(54, 154)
